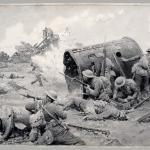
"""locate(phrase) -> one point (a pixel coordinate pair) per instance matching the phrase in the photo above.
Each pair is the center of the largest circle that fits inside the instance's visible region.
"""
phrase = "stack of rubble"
(25, 51)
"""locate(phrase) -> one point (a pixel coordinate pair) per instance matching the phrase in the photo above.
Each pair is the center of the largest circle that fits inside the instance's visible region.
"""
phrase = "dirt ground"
(126, 133)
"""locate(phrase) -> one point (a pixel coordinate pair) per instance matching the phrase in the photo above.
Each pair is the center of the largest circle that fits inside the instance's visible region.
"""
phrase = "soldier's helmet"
(120, 81)
(51, 94)
(88, 73)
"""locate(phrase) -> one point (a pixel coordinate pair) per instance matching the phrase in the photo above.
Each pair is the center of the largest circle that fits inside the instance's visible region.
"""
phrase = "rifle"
(72, 79)
(30, 96)
(105, 132)
(57, 121)
(120, 105)
(139, 104)
(16, 86)
(143, 118)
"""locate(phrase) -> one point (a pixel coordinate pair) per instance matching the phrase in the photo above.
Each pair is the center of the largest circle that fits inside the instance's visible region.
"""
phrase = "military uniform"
(56, 132)
(106, 110)
(125, 91)
(98, 63)
(9, 116)
(6, 124)
(140, 72)
(99, 87)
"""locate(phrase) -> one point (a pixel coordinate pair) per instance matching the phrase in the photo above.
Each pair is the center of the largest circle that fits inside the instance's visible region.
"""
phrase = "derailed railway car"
(77, 60)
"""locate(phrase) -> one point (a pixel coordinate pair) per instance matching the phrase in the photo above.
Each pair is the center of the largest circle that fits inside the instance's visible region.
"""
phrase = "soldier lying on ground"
(126, 91)
(99, 87)
(8, 117)
(54, 131)
(13, 76)
(96, 110)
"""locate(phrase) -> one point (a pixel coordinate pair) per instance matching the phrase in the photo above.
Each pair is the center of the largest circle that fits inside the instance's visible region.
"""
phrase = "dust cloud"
(51, 62)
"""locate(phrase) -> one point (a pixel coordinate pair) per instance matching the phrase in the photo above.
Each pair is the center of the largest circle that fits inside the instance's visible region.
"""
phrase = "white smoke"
(51, 63)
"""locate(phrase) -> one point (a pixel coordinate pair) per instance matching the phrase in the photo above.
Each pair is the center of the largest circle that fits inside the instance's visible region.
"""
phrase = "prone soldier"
(105, 110)
(96, 110)
(13, 76)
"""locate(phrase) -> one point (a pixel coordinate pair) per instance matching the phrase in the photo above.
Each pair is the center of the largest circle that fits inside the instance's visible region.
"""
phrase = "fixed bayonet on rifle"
(105, 132)
(30, 96)
(142, 102)
(74, 79)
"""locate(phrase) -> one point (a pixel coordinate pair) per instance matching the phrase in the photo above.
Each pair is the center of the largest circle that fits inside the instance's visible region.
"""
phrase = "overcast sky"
(88, 24)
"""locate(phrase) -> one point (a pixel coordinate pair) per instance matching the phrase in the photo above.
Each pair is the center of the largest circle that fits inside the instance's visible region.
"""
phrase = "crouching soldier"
(105, 110)
(48, 97)
(48, 118)
(126, 91)
(98, 87)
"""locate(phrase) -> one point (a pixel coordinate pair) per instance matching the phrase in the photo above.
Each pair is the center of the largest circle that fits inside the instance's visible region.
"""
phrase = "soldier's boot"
(47, 138)
(80, 143)
(33, 136)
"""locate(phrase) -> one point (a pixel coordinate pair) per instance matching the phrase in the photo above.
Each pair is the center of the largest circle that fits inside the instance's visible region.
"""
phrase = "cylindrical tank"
(77, 60)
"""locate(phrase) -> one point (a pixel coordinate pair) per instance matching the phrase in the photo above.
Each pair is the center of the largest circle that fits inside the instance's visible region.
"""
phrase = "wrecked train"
(77, 60)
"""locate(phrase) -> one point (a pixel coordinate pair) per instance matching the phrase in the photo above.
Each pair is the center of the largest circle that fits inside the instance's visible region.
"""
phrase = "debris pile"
(25, 51)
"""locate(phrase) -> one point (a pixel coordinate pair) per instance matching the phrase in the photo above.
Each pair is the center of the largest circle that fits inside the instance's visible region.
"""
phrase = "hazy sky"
(88, 24)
